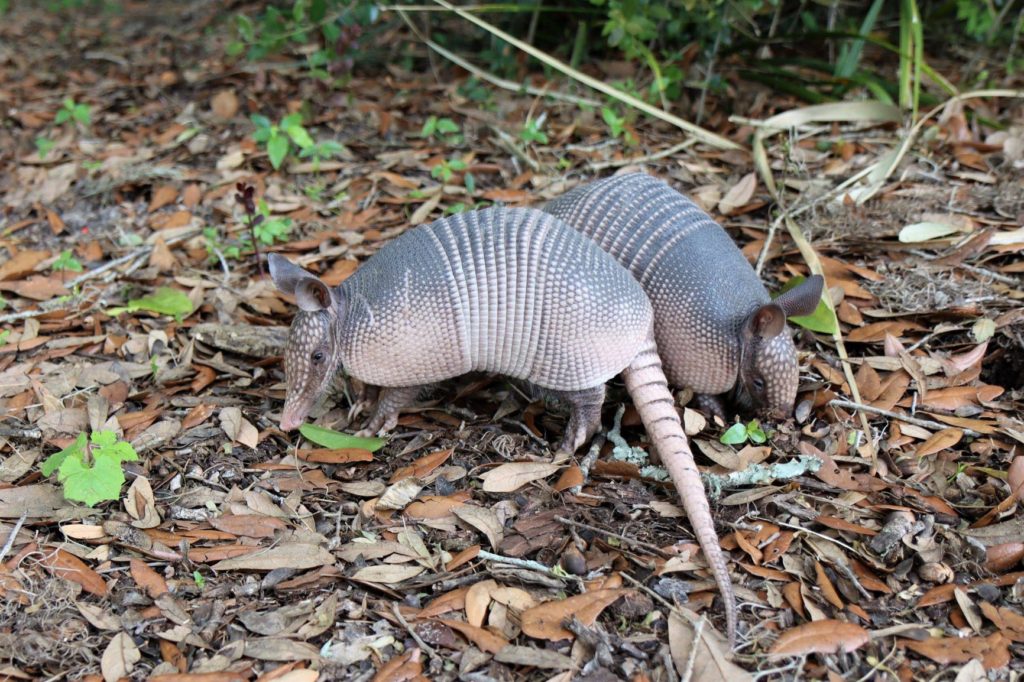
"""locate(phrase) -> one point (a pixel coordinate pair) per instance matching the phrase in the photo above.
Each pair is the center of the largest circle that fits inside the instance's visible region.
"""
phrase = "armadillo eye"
(318, 356)
(759, 384)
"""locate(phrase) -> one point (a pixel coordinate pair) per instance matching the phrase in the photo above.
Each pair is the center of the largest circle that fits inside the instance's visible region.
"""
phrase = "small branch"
(618, 163)
(14, 534)
(412, 633)
(755, 474)
(588, 461)
(923, 423)
(527, 564)
(628, 540)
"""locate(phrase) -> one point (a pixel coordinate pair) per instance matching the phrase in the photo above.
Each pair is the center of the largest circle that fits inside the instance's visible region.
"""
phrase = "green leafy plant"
(279, 138)
(3, 336)
(336, 440)
(214, 244)
(90, 468)
(73, 111)
(447, 169)
(617, 125)
(324, 149)
(740, 433)
(443, 129)
(531, 132)
(66, 262)
(199, 580)
(43, 145)
(269, 230)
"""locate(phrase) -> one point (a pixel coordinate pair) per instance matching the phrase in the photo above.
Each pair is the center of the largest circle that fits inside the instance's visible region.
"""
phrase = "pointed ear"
(767, 321)
(803, 298)
(286, 275)
(311, 294)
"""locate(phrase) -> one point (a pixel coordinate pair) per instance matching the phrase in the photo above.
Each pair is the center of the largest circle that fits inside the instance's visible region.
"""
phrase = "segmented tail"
(646, 383)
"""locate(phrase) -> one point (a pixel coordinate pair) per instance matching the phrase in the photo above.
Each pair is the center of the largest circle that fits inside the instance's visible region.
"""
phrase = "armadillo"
(506, 291)
(717, 329)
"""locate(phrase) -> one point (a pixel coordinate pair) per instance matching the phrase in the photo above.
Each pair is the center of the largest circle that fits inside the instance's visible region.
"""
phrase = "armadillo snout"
(310, 362)
(773, 376)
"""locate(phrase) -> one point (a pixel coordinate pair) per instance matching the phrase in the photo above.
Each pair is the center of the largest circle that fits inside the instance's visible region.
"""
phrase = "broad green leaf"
(446, 125)
(277, 149)
(106, 445)
(336, 440)
(98, 483)
(822, 320)
(736, 434)
(299, 136)
(260, 120)
(54, 461)
(166, 301)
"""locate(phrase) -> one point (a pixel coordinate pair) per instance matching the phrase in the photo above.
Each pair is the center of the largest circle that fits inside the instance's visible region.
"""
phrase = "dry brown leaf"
(164, 195)
(388, 574)
(119, 658)
(422, 467)
(22, 263)
(483, 519)
(545, 621)
(940, 440)
(297, 555)
(146, 578)
(709, 662)
(1007, 620)
(238, 428)
(739, 195)
(993, 651)
(570, 478)
(161, 257)
(65, 565)
(512, 476)
(820, 637)
(399, 495)
(437, 507)
(478, 598)
(224, 104)
(248, 525)
(331, 456)
(38, 287)
(485, 640)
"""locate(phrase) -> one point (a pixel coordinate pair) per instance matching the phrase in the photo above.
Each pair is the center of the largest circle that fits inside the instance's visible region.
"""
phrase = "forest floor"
(459, 550)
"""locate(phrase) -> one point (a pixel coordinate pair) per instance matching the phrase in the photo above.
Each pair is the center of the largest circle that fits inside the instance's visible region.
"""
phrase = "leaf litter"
(240, 551)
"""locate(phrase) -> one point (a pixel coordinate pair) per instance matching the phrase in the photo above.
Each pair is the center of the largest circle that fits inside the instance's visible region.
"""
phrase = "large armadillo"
(509, 291)
(717, 329)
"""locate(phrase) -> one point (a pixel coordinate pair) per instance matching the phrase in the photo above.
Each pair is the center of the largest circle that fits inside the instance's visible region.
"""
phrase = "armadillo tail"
(646, 383)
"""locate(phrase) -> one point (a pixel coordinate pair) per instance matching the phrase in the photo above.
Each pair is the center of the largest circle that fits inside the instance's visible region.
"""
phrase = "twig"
(505, 140)
(412, 633)
(527, 564)
(637, 543)
(618, 163)
(763, 256)
(10, 432)
(489, 77)
(588, 461)
(705, 136)
(691, 658)
(137, 253)
(13, 535)
(923, 423)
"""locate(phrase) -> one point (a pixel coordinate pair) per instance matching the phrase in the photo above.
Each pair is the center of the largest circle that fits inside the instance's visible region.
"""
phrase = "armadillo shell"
(700, 284)
(510, 291)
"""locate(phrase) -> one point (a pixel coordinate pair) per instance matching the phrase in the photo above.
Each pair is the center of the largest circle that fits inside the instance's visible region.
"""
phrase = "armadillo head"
(769, 373)
(313, 354)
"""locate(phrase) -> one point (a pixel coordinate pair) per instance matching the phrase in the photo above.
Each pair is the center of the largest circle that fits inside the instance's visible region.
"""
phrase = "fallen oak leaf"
(512, 476)
(545, 620)
(485, 640)
(820, 637)
(993, 651)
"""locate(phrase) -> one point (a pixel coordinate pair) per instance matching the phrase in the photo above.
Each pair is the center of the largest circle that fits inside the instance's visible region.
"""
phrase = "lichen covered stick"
(717, 329)
(508, 291)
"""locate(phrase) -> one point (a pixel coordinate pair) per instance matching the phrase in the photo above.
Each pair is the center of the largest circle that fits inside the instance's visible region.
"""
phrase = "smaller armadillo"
(508, 291)
(717, 329)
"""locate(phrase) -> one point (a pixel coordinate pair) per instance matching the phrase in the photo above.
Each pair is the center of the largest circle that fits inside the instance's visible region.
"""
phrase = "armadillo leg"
(391, 401)
(712, 405)
(645, 381)
(584, 417)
